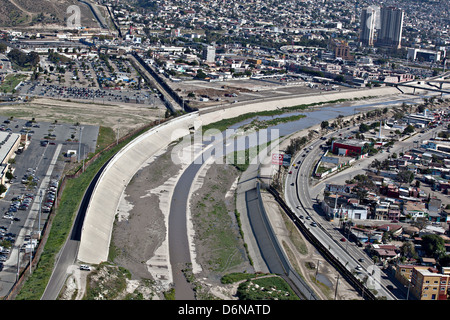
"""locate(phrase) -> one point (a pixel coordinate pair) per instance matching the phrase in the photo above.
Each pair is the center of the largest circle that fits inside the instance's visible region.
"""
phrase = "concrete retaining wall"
(234, 111)
(100, 215)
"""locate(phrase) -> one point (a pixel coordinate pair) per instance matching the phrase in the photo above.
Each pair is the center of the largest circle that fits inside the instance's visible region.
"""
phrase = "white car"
(85, 267)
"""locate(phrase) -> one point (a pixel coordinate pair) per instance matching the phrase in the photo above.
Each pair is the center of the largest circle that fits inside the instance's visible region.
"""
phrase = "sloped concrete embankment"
(100, 215)
(98, 224)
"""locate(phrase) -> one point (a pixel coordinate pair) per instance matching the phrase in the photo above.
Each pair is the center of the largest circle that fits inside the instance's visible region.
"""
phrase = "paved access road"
(302, 195)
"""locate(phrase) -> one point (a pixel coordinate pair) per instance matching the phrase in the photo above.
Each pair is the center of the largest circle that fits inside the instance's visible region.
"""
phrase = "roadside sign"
(277, 159)
(287, 160)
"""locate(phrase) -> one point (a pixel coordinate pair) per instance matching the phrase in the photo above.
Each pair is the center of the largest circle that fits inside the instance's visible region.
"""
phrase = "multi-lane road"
(302, 196)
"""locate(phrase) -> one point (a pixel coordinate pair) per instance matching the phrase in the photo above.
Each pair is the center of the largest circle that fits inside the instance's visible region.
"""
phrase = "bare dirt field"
(131, 116)
(224, 92)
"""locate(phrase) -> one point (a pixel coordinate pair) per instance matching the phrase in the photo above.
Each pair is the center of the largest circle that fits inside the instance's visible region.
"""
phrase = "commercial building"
(342, 50)
(424, 55)
(209, 54)
(347, 147)
(342, 207)
(9, 143)
(391, 23)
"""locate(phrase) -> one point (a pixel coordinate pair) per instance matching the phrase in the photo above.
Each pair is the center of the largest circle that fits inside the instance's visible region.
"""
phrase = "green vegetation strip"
(62, 223)
(263, 124)
(11, 81)
(225, 123)
(267, 288)
(260, 286)
(243, 158)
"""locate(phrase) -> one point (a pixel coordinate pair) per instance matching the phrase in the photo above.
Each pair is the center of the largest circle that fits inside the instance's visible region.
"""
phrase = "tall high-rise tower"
(367, 26)
(390, 34)
(209, 53)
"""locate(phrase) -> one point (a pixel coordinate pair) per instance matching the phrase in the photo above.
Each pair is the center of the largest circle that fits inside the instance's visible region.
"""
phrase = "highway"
(301, 201)
(68, 254)
(302, 196)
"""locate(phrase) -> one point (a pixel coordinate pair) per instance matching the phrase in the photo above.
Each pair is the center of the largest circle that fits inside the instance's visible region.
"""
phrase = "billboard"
(277, 158)
(287, 160)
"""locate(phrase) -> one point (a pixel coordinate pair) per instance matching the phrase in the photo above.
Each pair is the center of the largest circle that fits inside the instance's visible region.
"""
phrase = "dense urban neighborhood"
(99, 98)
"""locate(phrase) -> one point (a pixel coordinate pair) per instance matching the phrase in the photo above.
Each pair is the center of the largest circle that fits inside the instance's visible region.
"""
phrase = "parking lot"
(32, 188)
(89, 94)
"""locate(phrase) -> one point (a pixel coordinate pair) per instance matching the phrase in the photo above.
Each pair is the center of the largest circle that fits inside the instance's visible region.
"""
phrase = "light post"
(40, 210)
(409, 286)
(31, 256)
(18, 263)
(118, 131)
(337, 283)
(79, 144)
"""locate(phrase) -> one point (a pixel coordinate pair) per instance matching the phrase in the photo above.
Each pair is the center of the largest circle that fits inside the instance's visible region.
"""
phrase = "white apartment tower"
(209, 54)
(367, 26)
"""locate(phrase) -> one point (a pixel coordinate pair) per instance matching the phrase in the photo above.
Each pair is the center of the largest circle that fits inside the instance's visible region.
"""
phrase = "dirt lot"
(130, 115)
(240, 90)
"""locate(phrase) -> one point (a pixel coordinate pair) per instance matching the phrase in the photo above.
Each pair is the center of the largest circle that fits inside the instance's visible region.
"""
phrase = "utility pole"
(18, 263)
(40, 209)
(31, 256)
(317, 270)
(79, 144)
(118, 132)
(337, 283)
(409, 286)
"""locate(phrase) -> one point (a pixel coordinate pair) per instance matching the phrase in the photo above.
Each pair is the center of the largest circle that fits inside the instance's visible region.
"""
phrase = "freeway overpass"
(439, 83)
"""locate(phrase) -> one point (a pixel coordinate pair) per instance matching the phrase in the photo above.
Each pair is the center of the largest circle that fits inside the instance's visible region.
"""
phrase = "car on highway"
(314, 224)
(292, 184)
(290, 172)
(361, 259)
(343, 239)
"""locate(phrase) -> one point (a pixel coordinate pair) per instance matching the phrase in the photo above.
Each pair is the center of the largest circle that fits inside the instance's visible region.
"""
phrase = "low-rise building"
(9, 143)
(342, 207)
(347, 147)
(430, 284)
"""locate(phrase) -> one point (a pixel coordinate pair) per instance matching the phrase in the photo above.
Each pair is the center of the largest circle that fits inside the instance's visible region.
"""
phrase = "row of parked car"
(51, 196)
(21, 202)
(4, 251)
